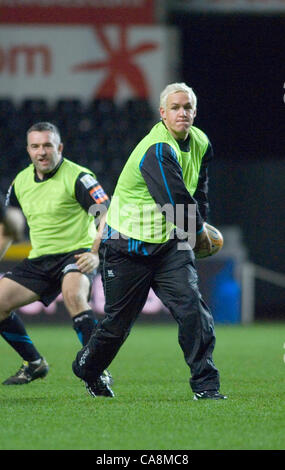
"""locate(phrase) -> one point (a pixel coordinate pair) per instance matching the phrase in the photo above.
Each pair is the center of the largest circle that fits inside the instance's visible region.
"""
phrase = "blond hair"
(176, 88)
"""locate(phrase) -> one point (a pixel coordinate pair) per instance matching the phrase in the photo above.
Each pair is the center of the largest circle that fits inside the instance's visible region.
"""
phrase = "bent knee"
(75, 300)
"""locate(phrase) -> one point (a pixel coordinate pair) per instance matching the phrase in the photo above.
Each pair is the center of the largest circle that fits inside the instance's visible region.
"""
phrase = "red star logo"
(119, 64)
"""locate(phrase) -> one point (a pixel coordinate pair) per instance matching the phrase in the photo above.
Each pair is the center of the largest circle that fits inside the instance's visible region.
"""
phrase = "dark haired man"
(56, 197)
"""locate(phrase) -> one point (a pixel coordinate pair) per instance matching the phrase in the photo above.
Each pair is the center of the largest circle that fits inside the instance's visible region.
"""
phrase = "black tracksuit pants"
(127, 280)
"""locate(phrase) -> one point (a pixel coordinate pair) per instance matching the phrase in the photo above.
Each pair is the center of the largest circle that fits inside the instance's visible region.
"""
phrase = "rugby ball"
(217, 242)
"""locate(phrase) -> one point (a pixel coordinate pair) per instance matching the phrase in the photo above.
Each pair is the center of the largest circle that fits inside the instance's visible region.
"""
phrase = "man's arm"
(93, 199)
(201, 196)
(100, 228)
(2, 207)
(164, 178)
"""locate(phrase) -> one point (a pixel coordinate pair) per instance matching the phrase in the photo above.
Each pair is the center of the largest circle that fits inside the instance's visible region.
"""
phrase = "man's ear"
(162, 113)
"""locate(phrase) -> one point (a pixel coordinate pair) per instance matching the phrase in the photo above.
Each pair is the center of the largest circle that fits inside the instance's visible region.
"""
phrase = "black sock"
(84, 324)
(13, 330)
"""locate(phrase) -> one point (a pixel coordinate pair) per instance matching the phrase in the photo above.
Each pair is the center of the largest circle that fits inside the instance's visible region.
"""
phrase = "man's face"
(179, 114)
(45, 150)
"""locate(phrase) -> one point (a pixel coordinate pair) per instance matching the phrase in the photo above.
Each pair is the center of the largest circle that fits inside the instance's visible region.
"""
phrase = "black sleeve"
(11, 198)
(201, 193)
(2, 207)
(90, 194)
(163, 176)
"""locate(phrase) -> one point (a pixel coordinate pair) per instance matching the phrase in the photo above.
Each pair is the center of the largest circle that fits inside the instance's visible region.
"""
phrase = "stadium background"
(231, 53)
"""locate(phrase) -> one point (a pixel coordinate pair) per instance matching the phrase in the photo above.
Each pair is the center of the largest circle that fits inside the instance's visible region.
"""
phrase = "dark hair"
(44, 126)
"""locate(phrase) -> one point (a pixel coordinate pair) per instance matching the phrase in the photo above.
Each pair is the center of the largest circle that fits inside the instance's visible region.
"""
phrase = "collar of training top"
(184, 145)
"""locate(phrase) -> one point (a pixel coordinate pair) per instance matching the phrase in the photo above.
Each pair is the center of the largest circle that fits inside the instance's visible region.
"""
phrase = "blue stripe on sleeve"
(142, 160)
(159, 157)
(173, 154)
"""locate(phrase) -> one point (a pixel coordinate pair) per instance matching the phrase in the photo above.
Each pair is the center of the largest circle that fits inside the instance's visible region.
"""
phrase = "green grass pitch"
(153, 407)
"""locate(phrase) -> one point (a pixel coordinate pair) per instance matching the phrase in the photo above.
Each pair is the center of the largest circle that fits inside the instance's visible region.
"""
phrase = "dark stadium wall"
(236, 65)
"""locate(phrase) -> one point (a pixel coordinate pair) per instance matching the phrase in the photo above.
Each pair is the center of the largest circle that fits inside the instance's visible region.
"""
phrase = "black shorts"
(44, 275)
